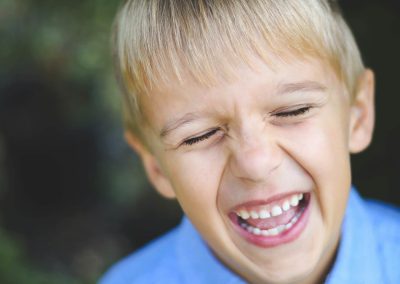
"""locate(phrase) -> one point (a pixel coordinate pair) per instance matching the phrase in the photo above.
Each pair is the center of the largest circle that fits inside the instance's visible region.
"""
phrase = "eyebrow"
(174, 124)
(285, 88)
(303, 86)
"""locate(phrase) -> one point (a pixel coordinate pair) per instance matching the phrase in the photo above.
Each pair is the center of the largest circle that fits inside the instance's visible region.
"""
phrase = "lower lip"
(286, 236)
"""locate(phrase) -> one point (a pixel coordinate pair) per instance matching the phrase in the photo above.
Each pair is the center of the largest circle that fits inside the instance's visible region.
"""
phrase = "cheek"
(321, 149)
(320, 146)
(195, 177)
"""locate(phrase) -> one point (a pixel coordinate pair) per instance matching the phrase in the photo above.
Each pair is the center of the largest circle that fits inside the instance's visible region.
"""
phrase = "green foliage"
(66, 44)
(15, 269)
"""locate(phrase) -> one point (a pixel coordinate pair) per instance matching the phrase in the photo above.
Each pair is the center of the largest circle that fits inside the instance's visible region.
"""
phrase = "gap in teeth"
(271, 211)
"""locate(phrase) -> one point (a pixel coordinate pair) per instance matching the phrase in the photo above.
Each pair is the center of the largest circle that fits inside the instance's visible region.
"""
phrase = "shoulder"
(386, 227)
(154, 263)
(385, 219)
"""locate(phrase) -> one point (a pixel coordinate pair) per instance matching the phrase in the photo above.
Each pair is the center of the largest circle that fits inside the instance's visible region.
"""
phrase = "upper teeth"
(271, 211)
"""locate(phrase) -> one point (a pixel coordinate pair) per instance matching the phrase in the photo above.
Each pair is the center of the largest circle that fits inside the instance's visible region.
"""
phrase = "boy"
(246, 112)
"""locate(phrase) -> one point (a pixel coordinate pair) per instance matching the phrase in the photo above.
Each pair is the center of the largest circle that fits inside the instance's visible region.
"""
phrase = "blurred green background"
(73, 197)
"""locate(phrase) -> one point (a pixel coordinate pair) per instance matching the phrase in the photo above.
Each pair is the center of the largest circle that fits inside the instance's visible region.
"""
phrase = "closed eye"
(295, 112)
(197, 139)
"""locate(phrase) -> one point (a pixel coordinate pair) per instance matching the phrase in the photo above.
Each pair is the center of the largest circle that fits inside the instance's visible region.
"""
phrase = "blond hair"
(156, 40)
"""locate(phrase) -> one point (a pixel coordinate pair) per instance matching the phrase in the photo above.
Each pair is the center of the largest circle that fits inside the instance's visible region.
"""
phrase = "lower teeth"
(273, 231)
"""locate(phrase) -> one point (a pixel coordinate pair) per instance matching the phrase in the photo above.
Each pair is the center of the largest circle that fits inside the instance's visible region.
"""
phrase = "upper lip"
(265, 201)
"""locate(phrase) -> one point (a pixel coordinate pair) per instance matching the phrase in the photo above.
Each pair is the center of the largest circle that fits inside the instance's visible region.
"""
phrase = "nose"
(255, 159)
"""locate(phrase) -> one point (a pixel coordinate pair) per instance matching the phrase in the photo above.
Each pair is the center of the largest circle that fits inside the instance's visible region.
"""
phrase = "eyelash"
(200, 138)
(296, 112)
(197, 139)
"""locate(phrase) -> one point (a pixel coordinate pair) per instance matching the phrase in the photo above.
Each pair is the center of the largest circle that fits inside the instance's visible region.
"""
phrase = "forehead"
(251, 81)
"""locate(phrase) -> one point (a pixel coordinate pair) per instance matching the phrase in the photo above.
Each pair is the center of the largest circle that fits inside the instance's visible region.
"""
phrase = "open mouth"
(275, 223)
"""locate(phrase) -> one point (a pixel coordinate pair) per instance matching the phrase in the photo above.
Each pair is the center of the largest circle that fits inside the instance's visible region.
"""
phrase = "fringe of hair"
(159, 40)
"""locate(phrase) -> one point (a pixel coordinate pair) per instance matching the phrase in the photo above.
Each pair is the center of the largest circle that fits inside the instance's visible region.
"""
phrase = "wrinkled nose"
(256, 160)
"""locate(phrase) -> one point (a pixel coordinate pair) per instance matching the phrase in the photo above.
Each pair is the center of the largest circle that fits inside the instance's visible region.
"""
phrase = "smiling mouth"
(275, 223)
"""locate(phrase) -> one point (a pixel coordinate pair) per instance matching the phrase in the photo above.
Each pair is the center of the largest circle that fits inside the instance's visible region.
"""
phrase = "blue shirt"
(369, 252)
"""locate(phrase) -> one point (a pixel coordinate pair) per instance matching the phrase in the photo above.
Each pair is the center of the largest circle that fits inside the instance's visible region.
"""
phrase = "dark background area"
(73, 197)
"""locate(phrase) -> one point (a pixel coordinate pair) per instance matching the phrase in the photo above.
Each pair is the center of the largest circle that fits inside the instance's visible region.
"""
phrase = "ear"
(362, 113)
(151, 165)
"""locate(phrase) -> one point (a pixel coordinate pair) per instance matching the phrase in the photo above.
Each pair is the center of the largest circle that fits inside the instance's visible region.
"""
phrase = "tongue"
(265, 224)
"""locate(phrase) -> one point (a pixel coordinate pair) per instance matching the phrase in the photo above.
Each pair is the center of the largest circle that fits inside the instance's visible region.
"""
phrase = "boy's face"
(252, 147)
